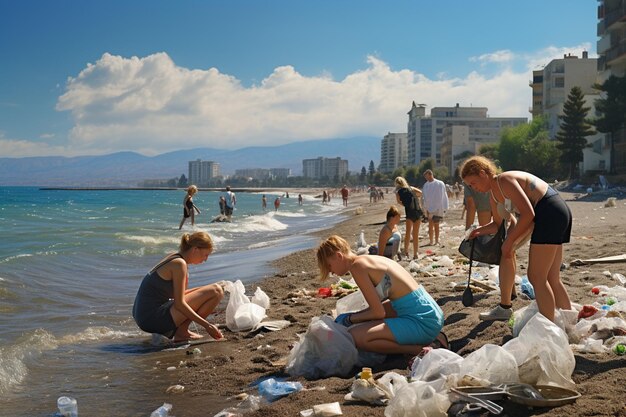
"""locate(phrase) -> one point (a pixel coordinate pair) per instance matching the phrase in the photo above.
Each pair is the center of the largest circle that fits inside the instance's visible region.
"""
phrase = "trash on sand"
(249, 404)
(241, 313)
(174, 389)
(272, 389)
(323, 410)
(162, 411)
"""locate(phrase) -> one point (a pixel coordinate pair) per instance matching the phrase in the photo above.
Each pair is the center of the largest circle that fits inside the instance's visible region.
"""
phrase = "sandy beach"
(227, 368)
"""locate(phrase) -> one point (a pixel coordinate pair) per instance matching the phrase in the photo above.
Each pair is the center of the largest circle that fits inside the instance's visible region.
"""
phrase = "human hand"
(214, 332)
(344, 319)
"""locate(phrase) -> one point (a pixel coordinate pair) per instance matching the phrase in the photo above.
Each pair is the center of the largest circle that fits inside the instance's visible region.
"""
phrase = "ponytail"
(200, 240)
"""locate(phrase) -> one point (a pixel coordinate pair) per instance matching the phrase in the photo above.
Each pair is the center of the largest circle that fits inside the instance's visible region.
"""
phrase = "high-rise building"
(558, 78)
(280, 172)
(202, 172)
(255, 173)
(612, 61)
(321, 167)
(393, 151)
(440, 137)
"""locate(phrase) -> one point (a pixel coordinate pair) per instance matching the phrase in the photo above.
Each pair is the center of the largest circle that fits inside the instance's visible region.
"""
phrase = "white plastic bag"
(260, 298)
(418, 399)
(490, 362)
(351, 303)
(326, 349)
(241, 314)
(543, 354)
(436, 364)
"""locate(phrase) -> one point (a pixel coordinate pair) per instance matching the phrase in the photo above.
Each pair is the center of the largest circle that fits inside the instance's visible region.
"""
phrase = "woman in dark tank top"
(166, 306)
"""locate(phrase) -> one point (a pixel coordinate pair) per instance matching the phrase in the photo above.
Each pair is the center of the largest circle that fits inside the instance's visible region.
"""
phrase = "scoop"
(468, 296)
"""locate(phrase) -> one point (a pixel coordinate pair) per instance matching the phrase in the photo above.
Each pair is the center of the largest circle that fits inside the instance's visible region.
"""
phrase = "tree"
(182, 181)
(491, 151)
(612, 110)
(363, 174)
(572, 136)
(372, 170)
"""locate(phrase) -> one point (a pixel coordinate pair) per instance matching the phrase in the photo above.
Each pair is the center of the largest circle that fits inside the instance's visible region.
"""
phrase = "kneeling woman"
(163, 303)
(401, 318)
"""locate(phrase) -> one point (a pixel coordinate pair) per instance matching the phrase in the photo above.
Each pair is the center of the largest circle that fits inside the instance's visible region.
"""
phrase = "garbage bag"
(326, 349)
(260, 298)
(241, 314)
(418, 399)
(490, 362)
(351, 303)
(436, 364)
(543, 354)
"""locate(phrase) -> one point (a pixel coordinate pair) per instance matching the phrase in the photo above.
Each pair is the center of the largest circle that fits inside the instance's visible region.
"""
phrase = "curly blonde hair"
(473, 166)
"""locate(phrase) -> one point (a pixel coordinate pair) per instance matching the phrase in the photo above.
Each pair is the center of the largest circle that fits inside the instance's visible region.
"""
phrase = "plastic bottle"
(362, 242)
(527, 288)
(162, 411)
(620, 278)
(366, 373)
(619, 349)
(67, 407)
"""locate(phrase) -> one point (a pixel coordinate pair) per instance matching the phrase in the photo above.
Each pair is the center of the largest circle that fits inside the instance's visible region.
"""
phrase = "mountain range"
(130, 168)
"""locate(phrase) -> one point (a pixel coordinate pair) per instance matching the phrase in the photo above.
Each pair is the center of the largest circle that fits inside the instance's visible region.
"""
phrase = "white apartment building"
(434, 136)
(321, 167)
(612, 61)
(554, 85)
(202, 172)
(280, 172)
(393, 152)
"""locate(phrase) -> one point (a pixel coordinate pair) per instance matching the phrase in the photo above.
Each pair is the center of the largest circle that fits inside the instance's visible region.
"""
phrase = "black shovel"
(468, 296)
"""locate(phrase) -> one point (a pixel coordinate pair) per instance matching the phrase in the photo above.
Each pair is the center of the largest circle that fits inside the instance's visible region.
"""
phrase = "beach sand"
(228, 368)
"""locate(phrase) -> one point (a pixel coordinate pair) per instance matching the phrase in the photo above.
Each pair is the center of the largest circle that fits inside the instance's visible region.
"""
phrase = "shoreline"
(227, 369)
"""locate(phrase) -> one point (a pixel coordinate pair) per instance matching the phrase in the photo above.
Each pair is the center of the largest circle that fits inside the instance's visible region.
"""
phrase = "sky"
(151, 76)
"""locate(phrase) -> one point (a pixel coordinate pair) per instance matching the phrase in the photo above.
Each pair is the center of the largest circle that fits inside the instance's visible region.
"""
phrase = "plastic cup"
(67, 407)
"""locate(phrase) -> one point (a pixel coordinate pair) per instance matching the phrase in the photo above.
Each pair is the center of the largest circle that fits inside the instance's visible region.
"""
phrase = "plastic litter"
(272, 389)
(361, 243)
(323, 410)
(241, 313)
(162, 411)
(527, 287)
(68, 406)
(621, 279)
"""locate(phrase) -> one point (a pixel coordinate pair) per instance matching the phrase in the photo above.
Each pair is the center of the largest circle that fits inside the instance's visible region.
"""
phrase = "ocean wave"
(96, 333)
(13, 358)
(150, 240)
(257, 223)
(288, 214)
(11, 258)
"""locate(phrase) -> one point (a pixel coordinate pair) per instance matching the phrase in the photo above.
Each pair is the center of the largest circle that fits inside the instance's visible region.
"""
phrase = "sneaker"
(497, 313)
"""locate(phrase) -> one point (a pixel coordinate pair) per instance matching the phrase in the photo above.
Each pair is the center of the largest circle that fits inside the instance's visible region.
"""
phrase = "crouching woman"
(401, 318)
(165, 305)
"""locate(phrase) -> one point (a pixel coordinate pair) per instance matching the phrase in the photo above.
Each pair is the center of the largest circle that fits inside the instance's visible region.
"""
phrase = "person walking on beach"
(264, 202)
(389, 237)
(409, 197)
(542, 214)
(189, 209)
(401, 316)
(231, 201)
(344, 195)
(276, 203)
(165, 305)
(436, 204)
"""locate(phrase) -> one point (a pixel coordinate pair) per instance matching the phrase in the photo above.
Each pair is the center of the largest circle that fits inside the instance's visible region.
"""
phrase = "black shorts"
(413, 215)
(228, 211)
(553, 220)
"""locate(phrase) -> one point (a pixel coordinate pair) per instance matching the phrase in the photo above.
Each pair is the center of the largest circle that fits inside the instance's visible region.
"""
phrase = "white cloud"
(46, 136)
(151, 105)
(498, 56)
(17, 148)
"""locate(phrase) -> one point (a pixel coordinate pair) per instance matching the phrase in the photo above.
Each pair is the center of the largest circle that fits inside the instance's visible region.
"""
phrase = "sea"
(71, 262)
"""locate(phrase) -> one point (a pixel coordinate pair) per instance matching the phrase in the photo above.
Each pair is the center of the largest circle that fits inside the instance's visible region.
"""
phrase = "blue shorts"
(419, 319)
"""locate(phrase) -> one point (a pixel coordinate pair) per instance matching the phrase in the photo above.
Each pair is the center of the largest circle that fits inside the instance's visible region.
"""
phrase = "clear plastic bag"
(418, 399)
(326, 349)
(490, 362)
(351, 303)
(543, 354)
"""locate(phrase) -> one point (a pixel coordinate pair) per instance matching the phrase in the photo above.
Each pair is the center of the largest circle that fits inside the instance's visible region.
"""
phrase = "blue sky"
(93, 77)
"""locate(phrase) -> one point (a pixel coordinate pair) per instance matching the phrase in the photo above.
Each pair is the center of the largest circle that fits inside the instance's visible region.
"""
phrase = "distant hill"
(130, 168)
